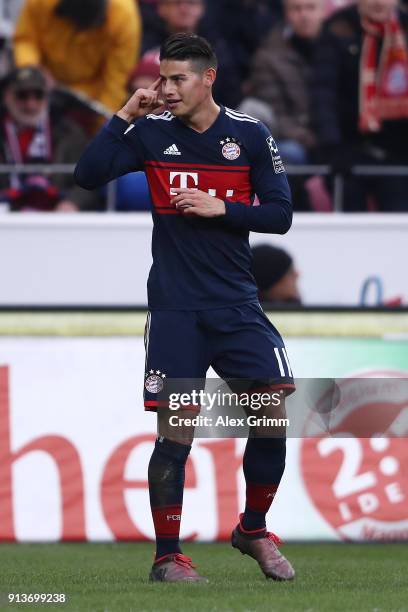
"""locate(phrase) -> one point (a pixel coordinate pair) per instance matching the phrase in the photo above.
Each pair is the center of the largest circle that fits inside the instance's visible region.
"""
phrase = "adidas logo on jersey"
(172, 150)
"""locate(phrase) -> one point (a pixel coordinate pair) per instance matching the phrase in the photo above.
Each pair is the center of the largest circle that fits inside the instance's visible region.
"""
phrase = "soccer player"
(204, 165)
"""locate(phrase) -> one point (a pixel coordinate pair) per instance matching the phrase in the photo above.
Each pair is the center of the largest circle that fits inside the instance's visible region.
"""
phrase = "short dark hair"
(184, 46)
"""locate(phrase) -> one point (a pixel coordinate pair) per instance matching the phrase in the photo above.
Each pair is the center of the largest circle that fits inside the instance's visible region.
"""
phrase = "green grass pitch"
(113, 577)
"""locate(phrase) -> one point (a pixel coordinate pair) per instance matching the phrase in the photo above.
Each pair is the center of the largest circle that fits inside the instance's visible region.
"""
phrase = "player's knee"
(268, 415)
(176, 427)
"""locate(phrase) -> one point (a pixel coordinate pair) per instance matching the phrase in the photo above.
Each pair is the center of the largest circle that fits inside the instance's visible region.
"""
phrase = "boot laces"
(274, 538)
(183, 560)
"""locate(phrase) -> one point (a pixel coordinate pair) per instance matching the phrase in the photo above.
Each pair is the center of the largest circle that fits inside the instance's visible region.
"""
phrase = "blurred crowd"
(328, 77)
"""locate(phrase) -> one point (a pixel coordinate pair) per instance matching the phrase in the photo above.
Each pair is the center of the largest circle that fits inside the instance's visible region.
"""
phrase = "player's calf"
(166, 475)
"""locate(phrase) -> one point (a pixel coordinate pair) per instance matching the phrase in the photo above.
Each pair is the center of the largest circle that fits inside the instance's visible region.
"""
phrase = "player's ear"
(209, 76)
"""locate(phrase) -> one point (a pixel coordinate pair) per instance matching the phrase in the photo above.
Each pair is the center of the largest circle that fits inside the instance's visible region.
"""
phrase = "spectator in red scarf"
(360, 95)
(31, 134)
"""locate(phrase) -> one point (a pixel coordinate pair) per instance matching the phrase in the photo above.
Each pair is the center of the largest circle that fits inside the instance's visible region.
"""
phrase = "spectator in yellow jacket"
(87, 45)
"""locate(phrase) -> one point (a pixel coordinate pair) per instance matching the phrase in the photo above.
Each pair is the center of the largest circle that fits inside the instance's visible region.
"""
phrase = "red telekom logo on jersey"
(224, 182)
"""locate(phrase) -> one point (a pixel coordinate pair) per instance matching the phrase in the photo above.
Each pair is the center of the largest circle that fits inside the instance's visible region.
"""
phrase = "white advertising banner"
(105, 259)
(75, 444)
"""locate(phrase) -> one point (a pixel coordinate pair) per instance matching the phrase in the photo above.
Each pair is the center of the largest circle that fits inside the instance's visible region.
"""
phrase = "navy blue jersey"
(198, 263)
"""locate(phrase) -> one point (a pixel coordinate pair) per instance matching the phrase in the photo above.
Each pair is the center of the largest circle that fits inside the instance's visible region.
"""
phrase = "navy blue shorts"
(239, 342)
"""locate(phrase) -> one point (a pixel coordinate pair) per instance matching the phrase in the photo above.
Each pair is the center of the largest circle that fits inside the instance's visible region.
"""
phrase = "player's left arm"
(269, 181)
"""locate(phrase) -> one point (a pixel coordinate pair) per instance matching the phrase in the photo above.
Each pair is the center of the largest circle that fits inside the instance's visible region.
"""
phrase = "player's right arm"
(112, 153)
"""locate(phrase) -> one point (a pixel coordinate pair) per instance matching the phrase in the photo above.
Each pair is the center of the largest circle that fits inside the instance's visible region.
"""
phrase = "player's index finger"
(155, 86)
(189, 190)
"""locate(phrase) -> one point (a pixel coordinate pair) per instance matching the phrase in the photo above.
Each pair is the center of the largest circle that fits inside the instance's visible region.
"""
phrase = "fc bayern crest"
(231, 148)
(154, 381)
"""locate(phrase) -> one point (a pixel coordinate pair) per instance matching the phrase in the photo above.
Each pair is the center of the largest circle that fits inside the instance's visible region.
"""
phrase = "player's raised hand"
(143, 102)
(197, 203)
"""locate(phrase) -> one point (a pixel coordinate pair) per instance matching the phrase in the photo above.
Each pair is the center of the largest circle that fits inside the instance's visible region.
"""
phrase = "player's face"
(184, 89)
(377, 10)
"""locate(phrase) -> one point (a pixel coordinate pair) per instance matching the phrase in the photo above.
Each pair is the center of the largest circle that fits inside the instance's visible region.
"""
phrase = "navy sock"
(166, 485)
(264, 464)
